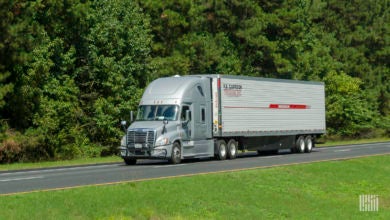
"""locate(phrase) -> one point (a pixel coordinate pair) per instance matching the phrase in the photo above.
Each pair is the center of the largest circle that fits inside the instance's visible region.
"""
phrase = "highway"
(23, 181)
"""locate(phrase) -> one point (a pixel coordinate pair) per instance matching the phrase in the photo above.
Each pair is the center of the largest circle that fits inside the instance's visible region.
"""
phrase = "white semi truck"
(201, 116)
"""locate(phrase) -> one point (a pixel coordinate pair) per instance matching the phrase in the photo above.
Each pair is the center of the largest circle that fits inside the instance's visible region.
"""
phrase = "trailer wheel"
(130, 161)
(308, 144)
(221, 150)
(232, 149)
(300, 144)
(176, 154)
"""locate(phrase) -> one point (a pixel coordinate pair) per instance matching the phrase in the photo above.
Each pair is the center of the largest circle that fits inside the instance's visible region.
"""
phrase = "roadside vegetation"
(326, 190)
(70, 71)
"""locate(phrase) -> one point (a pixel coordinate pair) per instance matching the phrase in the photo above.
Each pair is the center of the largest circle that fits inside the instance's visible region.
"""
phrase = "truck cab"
(173, 121)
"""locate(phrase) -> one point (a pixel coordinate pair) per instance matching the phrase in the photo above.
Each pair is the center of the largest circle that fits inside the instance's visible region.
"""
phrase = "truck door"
(199, 113)
(186, 125)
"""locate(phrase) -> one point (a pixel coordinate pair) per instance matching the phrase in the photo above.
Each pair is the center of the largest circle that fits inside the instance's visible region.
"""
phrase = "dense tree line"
(71, 69)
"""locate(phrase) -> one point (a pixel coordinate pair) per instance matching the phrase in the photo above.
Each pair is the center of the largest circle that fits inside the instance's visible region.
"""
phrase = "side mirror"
(124, 123)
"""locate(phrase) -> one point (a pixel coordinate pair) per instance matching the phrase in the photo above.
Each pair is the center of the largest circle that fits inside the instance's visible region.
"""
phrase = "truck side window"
(202, 114)
(183, 112)
(200, 90)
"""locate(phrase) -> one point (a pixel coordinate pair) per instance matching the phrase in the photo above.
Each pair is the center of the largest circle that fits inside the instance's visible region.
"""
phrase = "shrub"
(10, 151)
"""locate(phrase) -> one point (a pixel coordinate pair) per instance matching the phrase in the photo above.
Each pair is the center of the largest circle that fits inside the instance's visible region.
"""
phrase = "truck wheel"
(130, 161)
(232, 149)
(221, 150)
(308, 144)
(300, 144)
(176, 154)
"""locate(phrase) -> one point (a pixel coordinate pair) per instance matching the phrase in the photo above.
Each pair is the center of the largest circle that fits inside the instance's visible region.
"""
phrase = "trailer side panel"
(264, 107)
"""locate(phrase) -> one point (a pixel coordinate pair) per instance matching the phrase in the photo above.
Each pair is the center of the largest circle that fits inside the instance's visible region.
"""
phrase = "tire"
(308, 144)
(221, 150)
(176, 154)
(300, 145)
(130, 161)
(232, 149)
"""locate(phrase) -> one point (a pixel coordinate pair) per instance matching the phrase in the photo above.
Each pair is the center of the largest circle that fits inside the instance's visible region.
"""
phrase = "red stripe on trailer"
(289, 106)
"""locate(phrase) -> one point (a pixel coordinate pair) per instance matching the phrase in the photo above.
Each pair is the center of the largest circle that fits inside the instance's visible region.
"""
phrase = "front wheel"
(176, 153)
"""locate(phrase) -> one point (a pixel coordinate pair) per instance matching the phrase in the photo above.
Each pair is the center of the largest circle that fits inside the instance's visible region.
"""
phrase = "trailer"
(199, 116)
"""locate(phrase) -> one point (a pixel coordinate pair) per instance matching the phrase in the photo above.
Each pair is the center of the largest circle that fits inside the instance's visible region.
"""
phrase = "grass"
(326, 190)
(47, 164)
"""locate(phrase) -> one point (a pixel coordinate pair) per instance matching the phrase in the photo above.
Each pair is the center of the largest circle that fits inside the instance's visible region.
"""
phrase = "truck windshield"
(157, 112)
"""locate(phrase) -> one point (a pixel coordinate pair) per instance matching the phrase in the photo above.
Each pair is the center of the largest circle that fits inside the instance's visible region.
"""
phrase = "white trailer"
(217, 115)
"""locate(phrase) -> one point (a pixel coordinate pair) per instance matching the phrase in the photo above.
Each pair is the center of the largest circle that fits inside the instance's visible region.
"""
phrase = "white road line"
(345, 150)
(273, 156)
(54, 170)
(24, 178)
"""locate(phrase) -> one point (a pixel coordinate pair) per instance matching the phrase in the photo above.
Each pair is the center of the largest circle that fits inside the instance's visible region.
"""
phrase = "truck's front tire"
(176, 154)
(130, 161)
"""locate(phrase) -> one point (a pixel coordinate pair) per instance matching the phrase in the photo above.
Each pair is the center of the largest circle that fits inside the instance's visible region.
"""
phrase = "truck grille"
(146, 138)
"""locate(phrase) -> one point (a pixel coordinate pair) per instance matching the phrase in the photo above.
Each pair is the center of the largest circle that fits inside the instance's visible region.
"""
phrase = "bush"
(10, 151)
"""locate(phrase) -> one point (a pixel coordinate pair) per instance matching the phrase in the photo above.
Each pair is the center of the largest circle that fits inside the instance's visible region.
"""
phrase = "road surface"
(59, 178)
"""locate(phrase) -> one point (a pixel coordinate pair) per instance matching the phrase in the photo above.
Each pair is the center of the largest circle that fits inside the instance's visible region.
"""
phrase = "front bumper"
(160, 152)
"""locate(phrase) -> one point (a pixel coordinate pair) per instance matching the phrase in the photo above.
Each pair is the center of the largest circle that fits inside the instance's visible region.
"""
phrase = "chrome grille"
(146, 138)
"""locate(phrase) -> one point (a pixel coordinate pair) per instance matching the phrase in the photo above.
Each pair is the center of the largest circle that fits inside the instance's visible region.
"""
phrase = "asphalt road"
(59, 178)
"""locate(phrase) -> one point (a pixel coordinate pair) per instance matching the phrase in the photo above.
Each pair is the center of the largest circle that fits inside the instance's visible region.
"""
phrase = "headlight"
(162, 141)
(123, 141)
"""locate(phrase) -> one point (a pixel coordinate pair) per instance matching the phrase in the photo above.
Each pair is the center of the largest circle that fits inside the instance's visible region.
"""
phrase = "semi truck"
(217, 116)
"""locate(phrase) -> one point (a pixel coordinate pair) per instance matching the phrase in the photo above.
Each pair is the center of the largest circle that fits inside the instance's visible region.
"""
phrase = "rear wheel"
(221, 150)
(176, 153)
(130, 161)
(308, 144)
(232, 149)
(300, 144)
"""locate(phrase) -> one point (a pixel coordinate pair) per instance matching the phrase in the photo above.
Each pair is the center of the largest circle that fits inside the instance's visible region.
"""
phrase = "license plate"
(138, 146)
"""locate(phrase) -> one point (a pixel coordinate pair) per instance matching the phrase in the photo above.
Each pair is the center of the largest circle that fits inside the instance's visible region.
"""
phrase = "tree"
(118, 55)
(347, 112)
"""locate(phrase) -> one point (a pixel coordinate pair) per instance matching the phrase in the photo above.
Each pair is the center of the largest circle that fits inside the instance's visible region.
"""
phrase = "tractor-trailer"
(205, 116)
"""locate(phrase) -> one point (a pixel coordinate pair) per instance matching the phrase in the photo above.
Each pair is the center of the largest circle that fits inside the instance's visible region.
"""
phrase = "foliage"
(346, 107)
(71, 70)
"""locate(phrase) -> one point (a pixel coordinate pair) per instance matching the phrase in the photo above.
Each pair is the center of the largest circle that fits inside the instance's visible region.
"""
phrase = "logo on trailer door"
(232, 90)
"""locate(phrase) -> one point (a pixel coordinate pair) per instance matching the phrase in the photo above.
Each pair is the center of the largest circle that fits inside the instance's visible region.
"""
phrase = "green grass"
(357, 141)
(326, 190)
(47, 164)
